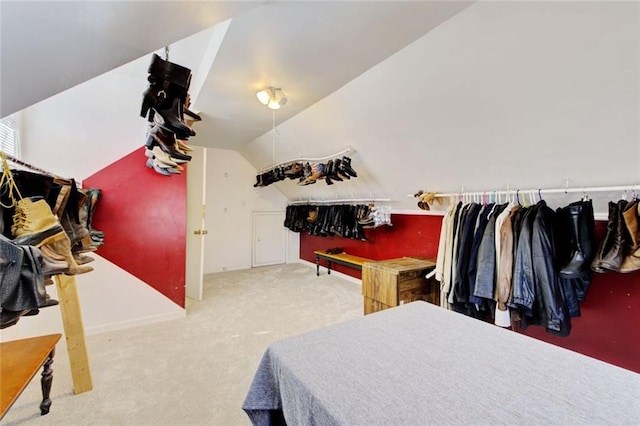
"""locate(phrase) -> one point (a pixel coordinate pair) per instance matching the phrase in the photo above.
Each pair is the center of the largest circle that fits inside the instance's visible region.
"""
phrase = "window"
(9, 140)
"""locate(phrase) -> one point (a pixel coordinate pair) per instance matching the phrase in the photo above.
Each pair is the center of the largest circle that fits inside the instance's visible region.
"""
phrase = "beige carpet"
(194, 370)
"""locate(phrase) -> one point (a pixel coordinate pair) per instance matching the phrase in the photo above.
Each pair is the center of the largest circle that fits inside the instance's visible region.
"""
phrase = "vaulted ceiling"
(310, 49)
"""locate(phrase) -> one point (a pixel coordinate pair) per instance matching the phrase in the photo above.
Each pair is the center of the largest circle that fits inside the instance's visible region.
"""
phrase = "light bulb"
(264, 96)
(273, 104)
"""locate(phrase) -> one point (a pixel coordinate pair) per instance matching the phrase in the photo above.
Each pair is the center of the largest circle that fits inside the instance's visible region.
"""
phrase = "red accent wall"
(608, 329)
(143, 216)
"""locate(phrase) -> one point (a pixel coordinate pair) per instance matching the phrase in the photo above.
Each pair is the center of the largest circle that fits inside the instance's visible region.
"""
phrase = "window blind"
(9, 141)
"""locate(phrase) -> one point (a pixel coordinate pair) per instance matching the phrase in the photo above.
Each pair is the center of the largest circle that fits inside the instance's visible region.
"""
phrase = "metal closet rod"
(310, 160)
(343, 201)
(565, 190)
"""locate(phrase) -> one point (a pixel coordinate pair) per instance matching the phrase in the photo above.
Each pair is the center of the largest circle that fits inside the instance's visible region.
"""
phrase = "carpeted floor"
(196, 370)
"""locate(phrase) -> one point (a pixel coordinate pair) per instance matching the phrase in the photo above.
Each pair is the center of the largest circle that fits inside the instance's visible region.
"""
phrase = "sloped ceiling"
(519, 95)
(49, 46)
(309, 49)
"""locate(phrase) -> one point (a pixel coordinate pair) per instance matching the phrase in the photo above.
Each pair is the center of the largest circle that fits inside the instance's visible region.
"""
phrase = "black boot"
(167, 142)
(346, 165)
(328, 172)
(164, 98)
(579, 217)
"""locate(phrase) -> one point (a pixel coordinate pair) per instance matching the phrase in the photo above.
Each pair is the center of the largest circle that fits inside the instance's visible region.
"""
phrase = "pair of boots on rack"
(337, 169)
(619, 251)
(165, 104)
(34, 224)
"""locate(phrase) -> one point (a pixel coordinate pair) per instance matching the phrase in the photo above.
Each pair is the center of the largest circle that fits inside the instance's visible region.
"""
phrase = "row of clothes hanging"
(509, 262)
(45, 230)
(343, 220)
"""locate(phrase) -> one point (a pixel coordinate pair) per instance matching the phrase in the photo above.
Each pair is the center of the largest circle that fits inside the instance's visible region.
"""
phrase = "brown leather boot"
(607, 241)
(63, 248)
(613, 258)
(632, 262)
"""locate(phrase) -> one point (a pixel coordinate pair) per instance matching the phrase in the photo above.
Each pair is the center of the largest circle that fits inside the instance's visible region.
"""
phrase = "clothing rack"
(24, 164)
(342, 201)
(539, 191)
(309, 160)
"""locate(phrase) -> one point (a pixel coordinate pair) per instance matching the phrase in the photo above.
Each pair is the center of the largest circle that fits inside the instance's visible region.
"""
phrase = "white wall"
(231, 200)
(520, 93)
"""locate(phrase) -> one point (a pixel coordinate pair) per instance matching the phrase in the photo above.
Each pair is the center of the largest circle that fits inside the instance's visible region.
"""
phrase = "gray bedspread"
(419, 364)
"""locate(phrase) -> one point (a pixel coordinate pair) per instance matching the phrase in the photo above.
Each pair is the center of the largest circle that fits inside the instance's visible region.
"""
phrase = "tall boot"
(612, 259)
(62, 248)
(632, 260)
(580, 219)
(164, 98)
(167, 142)
(607, 241)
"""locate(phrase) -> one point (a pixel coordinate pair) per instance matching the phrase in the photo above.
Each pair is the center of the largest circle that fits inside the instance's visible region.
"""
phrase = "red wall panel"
(607, 329)
(143, 216)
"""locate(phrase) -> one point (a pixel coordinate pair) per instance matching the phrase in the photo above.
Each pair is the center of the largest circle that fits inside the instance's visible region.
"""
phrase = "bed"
(419, 364)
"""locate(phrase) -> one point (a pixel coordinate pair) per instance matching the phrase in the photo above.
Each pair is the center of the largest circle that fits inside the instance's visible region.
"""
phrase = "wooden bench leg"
(47, 379)
(317, 266)
(328, 267)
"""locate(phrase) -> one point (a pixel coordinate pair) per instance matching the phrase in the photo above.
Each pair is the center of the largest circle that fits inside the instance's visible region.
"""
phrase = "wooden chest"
(389, 283)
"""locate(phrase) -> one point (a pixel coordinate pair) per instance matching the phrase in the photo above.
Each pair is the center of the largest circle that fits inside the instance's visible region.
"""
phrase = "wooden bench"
(349, 260)
(20, 360)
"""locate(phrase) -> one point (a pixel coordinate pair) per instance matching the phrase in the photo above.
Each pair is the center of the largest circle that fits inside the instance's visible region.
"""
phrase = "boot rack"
(71, 314)
(340, 201)
(345, 151)
(510, 192)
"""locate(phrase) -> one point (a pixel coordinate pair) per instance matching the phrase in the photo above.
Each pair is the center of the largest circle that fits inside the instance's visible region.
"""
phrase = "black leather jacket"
(536, 291)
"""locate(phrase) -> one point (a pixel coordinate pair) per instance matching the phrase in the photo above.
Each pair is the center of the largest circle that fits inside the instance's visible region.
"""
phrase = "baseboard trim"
(333, 272)
(135, 322)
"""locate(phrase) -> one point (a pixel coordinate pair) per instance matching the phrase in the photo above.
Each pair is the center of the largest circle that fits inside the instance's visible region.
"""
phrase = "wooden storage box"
(392, 282)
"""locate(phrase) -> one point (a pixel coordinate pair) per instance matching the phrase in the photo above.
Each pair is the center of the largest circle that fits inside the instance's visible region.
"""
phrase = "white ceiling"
(310, 49)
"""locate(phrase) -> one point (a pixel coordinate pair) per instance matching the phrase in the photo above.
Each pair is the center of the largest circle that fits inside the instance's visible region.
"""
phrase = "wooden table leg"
(47, 379)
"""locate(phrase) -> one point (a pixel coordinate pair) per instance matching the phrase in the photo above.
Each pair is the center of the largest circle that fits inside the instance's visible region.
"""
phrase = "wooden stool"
(20, 360)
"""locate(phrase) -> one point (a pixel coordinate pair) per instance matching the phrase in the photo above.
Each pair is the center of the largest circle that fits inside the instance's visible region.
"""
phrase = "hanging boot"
(631, 262)
(163, 101)
(581, 242)
(607, 241)
(612, 259)
(62, 248)
(167, 140)
(346, 165)
(34, 223)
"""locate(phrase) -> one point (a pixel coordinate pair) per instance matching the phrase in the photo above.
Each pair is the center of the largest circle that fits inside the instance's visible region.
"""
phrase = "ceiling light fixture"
(272, 97)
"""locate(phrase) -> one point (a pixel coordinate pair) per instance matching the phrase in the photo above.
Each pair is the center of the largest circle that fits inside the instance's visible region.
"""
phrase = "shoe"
(183, 146)
(579, 218)
(163, 101)
(614, 254)
(34, 223)
(52, 266)
(631, 262)
(154, 164)
(62, 248)
(167, 140)
(346, 165)
(160, 155)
